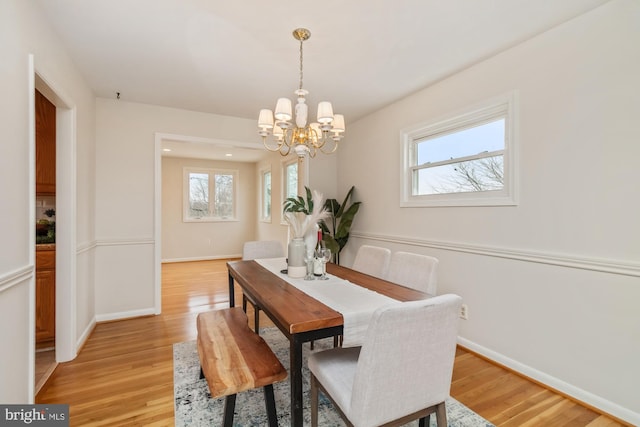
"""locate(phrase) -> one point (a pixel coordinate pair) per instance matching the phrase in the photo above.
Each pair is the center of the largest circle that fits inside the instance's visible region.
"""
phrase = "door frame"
(66, 245)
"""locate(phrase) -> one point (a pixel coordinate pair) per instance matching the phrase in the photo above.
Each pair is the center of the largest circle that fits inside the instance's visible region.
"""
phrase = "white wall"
(553, 283)
(183, 241)
(23, 31)
(125, 195)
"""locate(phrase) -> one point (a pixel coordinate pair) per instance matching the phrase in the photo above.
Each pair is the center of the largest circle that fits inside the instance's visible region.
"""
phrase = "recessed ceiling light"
(228, 155)
(166, 149)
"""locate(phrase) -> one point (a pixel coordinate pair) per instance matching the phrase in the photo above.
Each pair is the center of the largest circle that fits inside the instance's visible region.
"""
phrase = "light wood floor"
(124, 373)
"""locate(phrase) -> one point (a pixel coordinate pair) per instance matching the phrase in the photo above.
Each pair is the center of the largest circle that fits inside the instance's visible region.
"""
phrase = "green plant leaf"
(344, 204)
(346, 220)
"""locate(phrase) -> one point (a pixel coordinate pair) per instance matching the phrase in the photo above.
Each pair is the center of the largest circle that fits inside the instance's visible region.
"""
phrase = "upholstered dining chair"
(401, 373)
(372, 260)
(255, 250)
(414, 271)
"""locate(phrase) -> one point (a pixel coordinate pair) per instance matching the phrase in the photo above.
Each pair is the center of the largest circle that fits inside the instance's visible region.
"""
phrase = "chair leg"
(244, 303)
(270, 403)
(229, 407)
(441, 415)
(314, 401)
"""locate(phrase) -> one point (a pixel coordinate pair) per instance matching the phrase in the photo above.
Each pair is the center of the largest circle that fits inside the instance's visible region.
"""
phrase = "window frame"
(483, 113)
(285, 181)
(263, 197)
(211, 172)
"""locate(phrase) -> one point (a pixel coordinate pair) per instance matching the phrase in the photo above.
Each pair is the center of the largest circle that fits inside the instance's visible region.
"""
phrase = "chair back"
(406, 360)
(414, 271)
(372, 260)
(262, 249)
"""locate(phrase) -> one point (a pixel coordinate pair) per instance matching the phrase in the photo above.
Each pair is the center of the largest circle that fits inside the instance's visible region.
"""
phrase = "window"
(265, 213)
(289, 181)
(462, 160)
(209, 194)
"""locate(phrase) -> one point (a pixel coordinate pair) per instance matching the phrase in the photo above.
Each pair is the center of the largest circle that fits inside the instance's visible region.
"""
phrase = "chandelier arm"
(285, 153)
(274, 149)
(335, 147)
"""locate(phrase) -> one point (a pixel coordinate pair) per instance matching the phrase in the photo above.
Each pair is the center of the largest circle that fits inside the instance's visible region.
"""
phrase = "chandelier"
(301, 137)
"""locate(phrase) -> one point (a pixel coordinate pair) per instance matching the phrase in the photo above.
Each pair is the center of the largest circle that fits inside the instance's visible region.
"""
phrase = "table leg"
(232, 297)
(295, 371)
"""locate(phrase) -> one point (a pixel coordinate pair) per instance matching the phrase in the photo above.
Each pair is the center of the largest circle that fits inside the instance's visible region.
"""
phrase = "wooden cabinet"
(45, 298)
(45, 145)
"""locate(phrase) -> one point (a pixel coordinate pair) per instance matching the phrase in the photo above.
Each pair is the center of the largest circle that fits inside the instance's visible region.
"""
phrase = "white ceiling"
(236, 57)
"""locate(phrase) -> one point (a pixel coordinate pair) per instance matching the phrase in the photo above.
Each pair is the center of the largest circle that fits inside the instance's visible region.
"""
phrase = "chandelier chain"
(301, 41)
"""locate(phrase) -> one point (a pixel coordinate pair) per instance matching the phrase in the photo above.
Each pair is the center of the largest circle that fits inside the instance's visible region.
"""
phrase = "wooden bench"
(234, 359)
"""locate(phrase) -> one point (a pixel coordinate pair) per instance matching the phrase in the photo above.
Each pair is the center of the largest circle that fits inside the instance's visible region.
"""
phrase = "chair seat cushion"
(335, 369)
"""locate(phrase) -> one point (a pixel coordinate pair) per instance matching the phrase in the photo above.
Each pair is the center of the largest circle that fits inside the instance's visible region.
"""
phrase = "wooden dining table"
(300, 317)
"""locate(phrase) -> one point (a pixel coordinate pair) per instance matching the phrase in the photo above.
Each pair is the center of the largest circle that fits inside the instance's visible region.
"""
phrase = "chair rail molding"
(125, 242)
(563, 260)
(85, 247)
(15, 277)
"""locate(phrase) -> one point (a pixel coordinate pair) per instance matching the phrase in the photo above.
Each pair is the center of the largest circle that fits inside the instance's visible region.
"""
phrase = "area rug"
(194, 406)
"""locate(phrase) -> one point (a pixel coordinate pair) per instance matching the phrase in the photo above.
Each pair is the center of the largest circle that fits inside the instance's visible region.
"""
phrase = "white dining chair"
(401, 373)
(414, 271)
(372, 260)
(258, 249)
(262, 249)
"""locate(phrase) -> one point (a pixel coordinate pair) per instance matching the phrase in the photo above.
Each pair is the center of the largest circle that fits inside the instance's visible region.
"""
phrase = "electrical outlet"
(464, 312)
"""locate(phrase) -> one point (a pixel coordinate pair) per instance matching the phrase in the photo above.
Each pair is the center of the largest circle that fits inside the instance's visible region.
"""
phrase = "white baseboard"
(206, 258)
(554, 383)
(84, 337)
(125, 314)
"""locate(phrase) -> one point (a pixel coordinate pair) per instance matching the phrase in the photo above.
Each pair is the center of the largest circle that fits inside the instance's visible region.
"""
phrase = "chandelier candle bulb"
(265, 121)
(325, 112)
(283, 109)
(338, 123)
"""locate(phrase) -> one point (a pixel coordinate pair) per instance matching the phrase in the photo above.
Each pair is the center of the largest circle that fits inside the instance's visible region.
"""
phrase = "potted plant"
(303, 216)
(336, 234)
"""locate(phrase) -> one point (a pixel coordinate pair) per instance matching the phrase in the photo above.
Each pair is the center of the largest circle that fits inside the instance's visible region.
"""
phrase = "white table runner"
(355, 303)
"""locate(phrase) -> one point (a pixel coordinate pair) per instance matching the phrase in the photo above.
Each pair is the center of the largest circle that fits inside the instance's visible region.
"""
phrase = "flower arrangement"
(301, 214)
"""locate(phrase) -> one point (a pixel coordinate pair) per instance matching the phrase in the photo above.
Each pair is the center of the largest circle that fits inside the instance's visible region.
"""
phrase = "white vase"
(296, 266)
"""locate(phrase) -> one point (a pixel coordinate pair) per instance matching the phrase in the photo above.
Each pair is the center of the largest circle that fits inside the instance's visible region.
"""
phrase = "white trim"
(85, 247)
(125, 314)
(16, 277)
(506, 104)
(157, 223)
(211, 178)
(85, 334)
(125, 242)
(205, 258)
(622, 267)
(261, 196)
(284, 164)
(66, 206)
(581, 395)
(31, 91)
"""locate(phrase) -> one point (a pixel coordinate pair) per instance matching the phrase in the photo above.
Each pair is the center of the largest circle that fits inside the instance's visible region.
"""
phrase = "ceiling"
(236, 57)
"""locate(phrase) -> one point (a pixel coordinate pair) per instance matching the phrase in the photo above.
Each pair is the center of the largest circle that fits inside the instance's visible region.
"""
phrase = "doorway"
(65, 215)
(45, 229)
